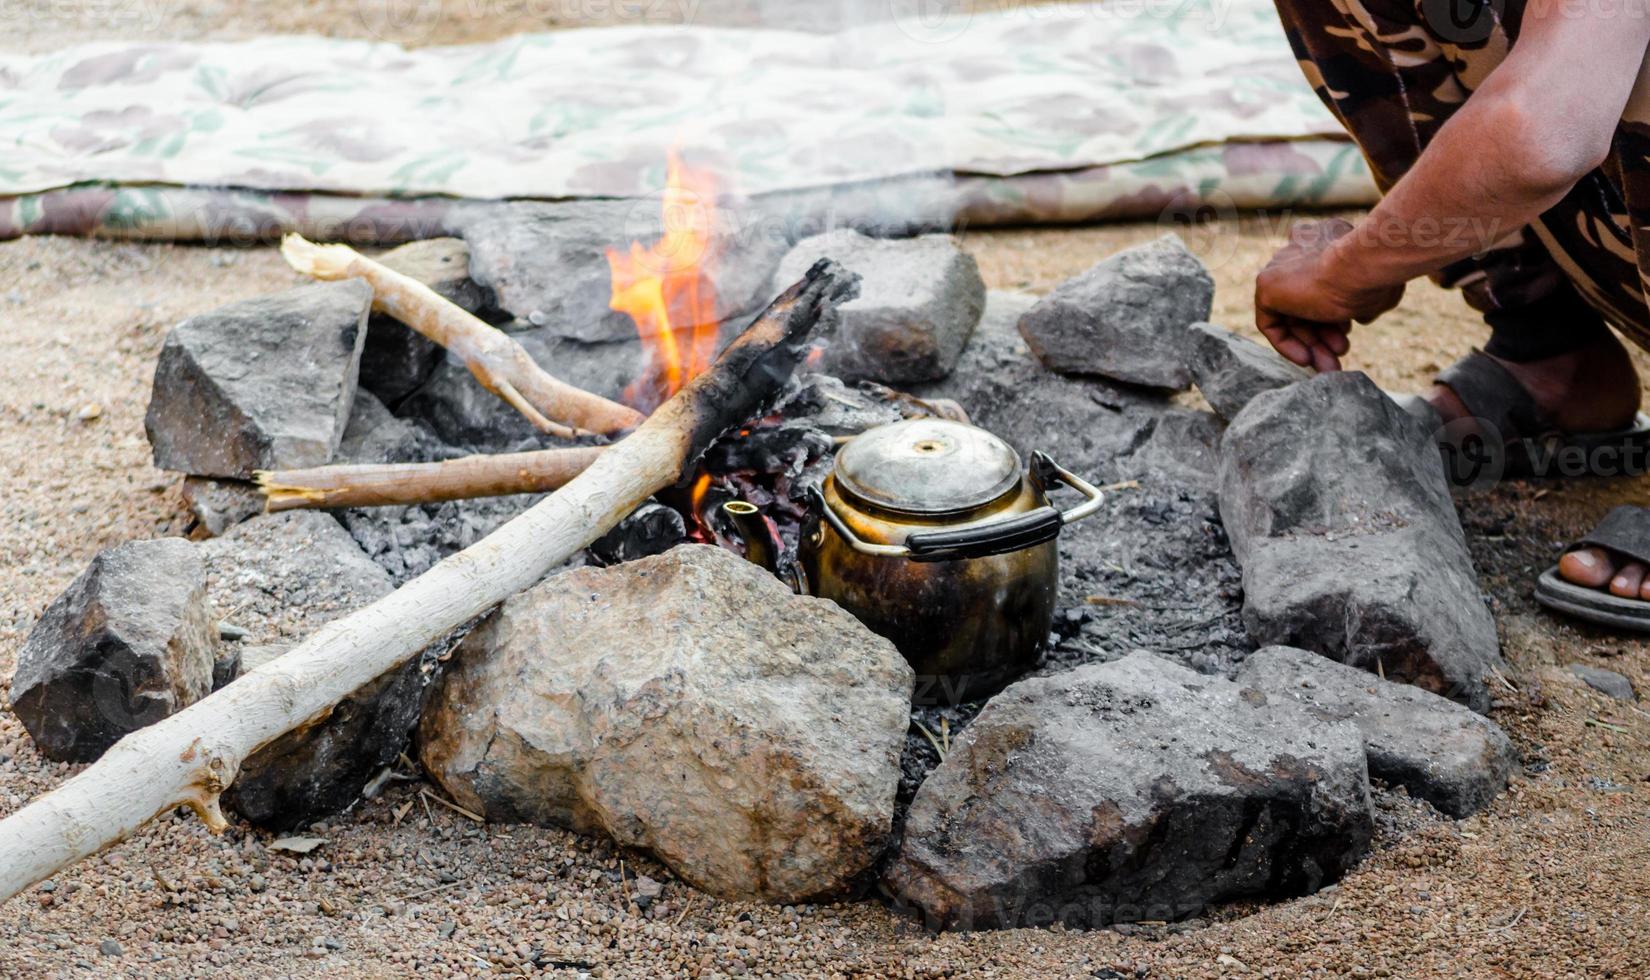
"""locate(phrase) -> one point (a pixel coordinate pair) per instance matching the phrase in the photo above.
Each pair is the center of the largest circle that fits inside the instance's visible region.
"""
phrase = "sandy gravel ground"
(1549, 882)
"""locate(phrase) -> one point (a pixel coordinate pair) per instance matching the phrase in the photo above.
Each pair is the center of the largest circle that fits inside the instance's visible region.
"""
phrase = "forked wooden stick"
(501, 365)
(378, 484)
(189, 758)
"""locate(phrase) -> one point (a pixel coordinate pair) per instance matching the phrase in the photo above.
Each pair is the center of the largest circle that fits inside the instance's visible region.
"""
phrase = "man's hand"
(1303, 308)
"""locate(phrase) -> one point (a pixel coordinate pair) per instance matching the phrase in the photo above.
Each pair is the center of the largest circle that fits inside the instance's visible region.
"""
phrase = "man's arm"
(1539, 123)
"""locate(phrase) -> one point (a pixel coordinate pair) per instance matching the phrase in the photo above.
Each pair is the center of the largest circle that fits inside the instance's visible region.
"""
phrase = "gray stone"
(1136, 789)
(1605, 681)
(1179, 443)
(397, 359)
(1438, 750)
(228, 665)
(650, 529)
(219, 505)
(1230, 370)
(919, 301)
(285, 575)
(648, 888)
(129, 642)
(687, 704)
(265, 383)
(547, 262)
(373, 435)
(1127, 317)
(1337, 508)
(1086, 424)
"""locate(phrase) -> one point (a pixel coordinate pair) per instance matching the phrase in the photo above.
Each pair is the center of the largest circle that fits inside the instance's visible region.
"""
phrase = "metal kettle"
(930, 532)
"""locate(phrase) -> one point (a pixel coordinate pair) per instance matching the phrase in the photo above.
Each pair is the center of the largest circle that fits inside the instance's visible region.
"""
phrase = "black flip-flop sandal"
(1625, 531)
(1529, 444)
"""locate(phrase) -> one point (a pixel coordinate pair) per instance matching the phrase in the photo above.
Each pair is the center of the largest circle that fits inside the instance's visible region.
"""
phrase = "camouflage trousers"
(1393, 71)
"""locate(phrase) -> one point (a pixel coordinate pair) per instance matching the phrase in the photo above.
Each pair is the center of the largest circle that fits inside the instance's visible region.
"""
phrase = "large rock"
(1136, 789)
(687, 704)
(1337, 508)
(547, 262)
(1181, 444)
(374, 435)
(1086, 424)
(128, 643)
(1438, 750)
(283, 576)
(265, 383)
(1231, 370)
(1127, 317)
(397, 359)
(919, 301)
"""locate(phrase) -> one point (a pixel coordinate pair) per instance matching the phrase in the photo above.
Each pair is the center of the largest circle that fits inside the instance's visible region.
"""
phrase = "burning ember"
(667, 290)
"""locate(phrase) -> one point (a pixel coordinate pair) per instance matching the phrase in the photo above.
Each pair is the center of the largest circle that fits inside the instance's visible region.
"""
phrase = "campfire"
(899, 657)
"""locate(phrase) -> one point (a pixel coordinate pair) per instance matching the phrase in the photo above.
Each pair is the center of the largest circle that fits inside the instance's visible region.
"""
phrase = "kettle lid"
(927, 466)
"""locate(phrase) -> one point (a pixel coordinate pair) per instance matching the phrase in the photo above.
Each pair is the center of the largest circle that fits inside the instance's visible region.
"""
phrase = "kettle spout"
(761, 548)
(752, 530)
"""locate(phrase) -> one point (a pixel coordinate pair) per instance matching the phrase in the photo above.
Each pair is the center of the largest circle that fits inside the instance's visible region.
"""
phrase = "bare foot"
(1596, 568)
(1589, 390)
(1593, 389)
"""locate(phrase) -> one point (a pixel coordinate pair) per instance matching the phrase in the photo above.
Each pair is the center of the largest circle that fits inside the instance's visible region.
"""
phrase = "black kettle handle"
(981, 540)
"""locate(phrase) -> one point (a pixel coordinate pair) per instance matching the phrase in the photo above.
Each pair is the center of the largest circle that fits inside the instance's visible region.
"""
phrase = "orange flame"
(696, 496)
(667, 290)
